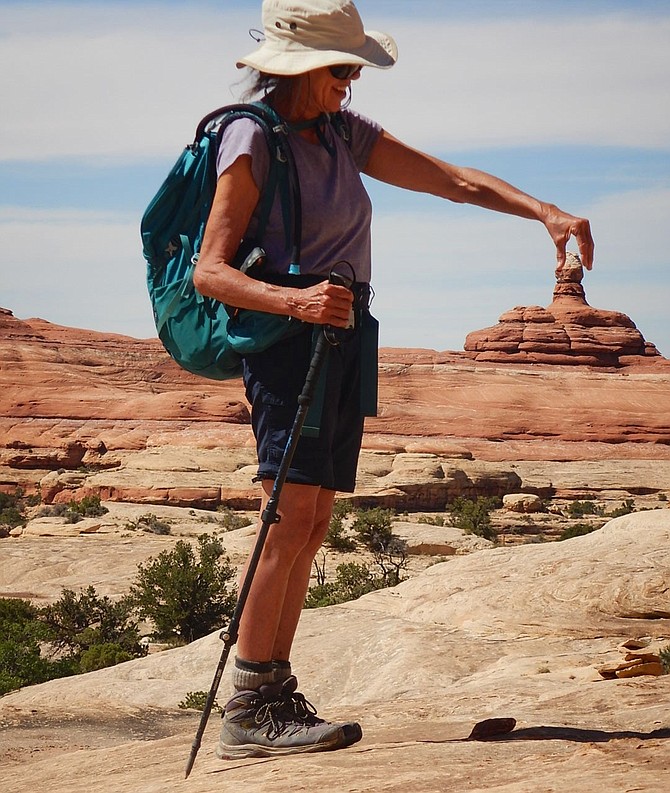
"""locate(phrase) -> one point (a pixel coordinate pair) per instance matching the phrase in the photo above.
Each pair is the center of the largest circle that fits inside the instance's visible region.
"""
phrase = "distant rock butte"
(568, 332)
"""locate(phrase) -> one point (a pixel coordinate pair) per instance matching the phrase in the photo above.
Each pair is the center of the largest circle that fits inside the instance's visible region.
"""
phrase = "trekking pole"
(269, 516)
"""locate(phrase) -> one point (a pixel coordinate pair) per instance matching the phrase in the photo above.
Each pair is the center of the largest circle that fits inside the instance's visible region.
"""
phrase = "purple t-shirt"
(336, 209)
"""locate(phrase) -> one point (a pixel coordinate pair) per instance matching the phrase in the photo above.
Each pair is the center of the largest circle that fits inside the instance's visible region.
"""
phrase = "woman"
(312, 52)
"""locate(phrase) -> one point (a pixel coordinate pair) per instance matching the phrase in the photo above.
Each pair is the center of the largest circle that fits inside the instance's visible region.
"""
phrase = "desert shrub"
(195, 700)
(336, 537)
(11, 511)
(80, 621)
(100, 656)
(353, 580)
(186, 592)
(21, 637)
(22, 664)
(474, 517)
(78, 633)
(432, 520)
(342, 508)
(89, 507)
(577, 530)
(664, 655)
(74, 511)
(577, 509)
(626, 508)
(149, 523)
(229, 520)
(391, 560)
(373, 527)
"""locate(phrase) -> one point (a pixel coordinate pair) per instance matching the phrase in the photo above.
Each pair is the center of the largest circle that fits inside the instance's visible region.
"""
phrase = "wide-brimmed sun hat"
(301, 35)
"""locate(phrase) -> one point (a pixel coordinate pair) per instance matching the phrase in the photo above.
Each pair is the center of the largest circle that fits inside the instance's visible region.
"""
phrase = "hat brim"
(379, 51)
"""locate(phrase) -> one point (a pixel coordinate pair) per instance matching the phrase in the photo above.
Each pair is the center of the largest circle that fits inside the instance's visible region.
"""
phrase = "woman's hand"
(561, 226)
(322, 304)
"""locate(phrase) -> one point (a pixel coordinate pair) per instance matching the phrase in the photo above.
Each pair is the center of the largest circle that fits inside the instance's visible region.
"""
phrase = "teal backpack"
(203, 335)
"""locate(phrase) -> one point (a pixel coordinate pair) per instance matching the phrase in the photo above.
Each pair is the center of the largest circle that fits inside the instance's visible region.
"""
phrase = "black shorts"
(274, 380)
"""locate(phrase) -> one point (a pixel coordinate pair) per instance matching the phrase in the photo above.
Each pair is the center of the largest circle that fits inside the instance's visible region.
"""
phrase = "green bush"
(353, 580)
(149, 523)
(13, 509)
(229, 520)
(22, 664)
(74, 511)
(342, 508)
(196, 700)
(373, 527)
(10, 514)
(474, 517)
(336, 538)
(186, 595)
(391, 561)
(665, 659)
(100, 656)
(22, 636)
(577, 530)
(78, 622)
(626, 508)
(577, 509)
(432, 520)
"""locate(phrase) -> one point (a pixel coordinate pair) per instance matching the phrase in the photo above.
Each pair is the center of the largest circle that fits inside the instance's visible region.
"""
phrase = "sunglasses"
(345, 71)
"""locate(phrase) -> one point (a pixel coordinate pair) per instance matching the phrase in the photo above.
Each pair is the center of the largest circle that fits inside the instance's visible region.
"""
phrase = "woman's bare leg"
(285, 543)
(298, 583)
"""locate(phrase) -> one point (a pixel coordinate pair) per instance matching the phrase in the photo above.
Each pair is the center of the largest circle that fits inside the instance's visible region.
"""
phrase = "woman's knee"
(298, 517)
(321, 525)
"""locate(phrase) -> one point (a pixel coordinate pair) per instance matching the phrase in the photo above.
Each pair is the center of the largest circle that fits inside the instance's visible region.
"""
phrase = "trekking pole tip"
(191, 761)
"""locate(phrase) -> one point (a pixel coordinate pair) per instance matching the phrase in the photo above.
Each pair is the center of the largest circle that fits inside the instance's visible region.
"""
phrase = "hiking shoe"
(264, 723)
(301, 709)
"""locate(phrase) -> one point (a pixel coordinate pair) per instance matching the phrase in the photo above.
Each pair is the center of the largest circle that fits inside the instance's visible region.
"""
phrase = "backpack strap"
(282, 176)
(341, 126)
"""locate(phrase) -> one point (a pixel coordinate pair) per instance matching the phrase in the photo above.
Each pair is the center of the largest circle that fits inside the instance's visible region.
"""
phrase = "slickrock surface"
(567, 332)
(500, 633)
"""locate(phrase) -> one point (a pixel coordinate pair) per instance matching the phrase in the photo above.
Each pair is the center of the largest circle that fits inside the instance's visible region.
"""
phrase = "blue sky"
(569, 101)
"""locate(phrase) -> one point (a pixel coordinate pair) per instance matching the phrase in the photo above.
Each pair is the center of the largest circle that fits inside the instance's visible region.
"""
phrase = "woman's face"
(326, 93)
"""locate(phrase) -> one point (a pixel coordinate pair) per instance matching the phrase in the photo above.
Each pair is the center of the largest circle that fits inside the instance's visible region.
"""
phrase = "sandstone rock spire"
(568, 331)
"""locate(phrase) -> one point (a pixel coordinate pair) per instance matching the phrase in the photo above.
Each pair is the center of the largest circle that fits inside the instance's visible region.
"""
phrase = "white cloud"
(594, 80)
(76, 268)
(91, 80)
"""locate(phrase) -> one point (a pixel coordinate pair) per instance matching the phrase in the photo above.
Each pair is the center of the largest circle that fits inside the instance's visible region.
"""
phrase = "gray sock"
(282, 670)
(251, 675)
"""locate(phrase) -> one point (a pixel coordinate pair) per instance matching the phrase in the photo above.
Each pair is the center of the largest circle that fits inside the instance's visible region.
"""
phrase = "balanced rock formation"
(569, 331)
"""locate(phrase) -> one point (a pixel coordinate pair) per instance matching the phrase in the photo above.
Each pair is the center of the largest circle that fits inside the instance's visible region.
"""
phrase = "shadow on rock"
(575, 734)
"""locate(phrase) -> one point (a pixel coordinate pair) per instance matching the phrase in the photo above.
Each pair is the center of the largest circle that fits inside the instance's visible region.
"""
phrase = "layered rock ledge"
(92, 413)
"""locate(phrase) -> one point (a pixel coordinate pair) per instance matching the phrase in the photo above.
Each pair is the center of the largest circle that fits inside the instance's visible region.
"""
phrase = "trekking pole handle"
(333, 334)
